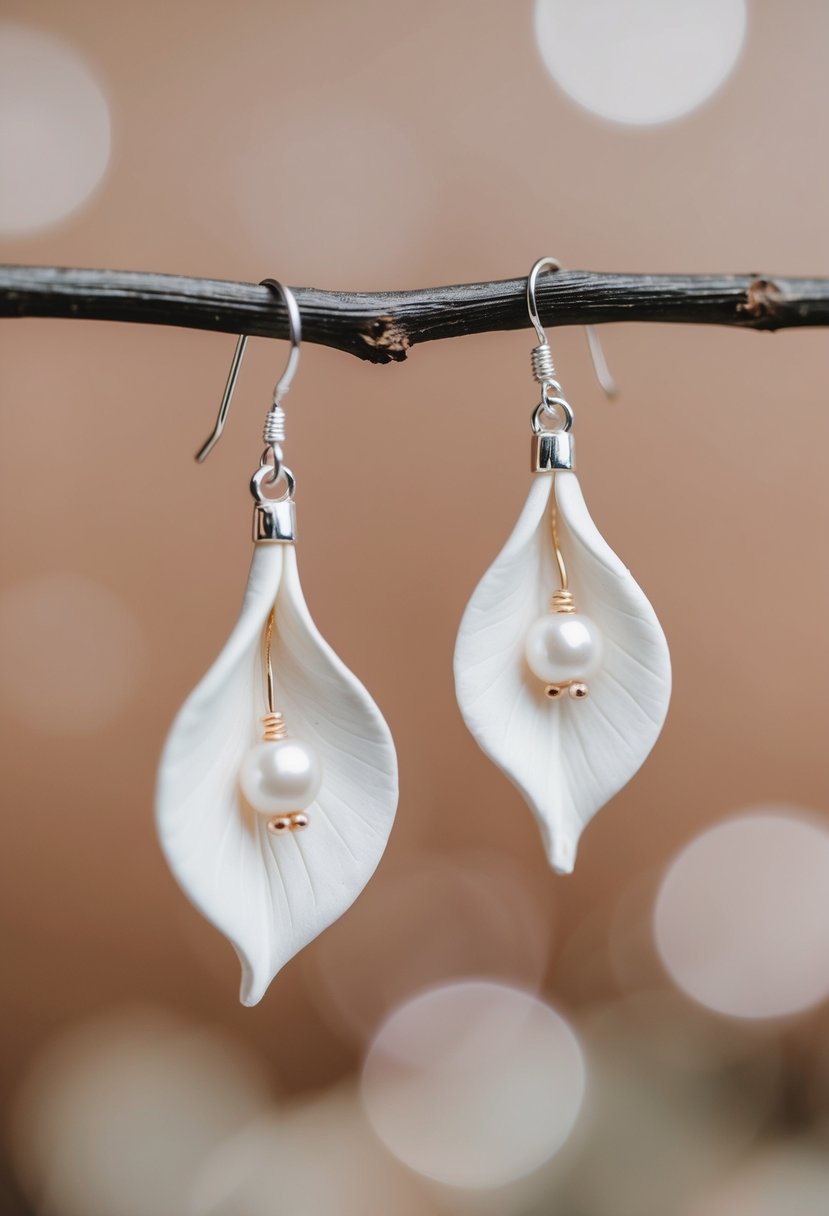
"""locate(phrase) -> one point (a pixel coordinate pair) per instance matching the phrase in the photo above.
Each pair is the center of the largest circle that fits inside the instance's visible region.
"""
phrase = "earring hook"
(600, 367)
(284, 382)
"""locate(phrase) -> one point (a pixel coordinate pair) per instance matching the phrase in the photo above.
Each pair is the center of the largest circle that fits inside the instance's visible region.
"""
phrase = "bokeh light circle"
(116, 1116)
(474, 1084)
(640, 61)
(740, 918)
(54, 130)
(71, 653)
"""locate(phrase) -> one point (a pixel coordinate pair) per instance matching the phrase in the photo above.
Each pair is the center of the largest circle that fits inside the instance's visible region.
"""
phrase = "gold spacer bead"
(577, 690)
(279, 825)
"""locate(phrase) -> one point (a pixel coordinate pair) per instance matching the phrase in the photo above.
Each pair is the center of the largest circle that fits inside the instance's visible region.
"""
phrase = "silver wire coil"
(274, 428)
(543, 367)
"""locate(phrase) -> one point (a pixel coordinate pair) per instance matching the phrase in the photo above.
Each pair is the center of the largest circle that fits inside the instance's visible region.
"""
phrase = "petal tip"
(561, 852)
(253, 987)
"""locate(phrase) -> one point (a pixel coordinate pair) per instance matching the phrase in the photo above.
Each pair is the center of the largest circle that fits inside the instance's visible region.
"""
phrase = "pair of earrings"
(278, 786)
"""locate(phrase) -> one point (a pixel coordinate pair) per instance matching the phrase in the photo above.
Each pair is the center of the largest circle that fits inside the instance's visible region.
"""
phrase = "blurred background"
(477, 1035)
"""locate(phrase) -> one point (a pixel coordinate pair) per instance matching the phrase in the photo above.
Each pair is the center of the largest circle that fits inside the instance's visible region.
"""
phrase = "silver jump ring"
(554, 406)
(268, 474)
(542, 410)
(553, 396)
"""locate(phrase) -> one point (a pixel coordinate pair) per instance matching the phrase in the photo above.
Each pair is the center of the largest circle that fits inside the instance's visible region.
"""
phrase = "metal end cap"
(552, 450)
(274, 523)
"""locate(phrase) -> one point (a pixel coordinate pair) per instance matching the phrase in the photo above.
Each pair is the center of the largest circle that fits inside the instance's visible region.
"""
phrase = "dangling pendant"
(277, 786)
(562, 671)
(567, 703)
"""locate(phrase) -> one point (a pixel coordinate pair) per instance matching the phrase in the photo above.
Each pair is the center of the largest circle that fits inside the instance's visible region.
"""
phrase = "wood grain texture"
(383, 327)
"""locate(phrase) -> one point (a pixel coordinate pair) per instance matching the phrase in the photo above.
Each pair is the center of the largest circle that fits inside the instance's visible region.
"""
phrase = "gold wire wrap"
(275, 727)
(562, 601)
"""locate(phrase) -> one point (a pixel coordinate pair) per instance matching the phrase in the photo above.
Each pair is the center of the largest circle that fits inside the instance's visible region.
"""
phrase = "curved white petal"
(271, 895)
(566, 757)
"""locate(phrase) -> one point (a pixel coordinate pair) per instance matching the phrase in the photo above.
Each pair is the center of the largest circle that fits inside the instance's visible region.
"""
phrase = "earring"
(562, 671)
(277, 786)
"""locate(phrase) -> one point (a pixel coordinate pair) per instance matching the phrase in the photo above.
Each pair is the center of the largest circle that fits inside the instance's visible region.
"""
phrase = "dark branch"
(382, 327)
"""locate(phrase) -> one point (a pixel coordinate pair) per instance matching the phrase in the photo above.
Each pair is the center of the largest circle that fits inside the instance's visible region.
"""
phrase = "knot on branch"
(763, 303)
(387, 339)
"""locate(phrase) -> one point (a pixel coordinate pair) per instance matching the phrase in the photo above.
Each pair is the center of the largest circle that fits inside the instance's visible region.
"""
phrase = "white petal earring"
(277, 786)
(562, 670)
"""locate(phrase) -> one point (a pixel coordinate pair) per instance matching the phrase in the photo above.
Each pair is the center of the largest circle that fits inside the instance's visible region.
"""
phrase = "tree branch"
(382, 327)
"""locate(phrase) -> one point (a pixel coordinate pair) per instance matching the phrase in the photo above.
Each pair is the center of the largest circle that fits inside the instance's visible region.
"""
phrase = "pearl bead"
(280, 776)
(563, 646)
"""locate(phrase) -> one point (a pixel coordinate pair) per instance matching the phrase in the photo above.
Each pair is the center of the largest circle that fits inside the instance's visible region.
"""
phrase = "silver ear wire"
(553, 447)
(542, 358)
(274, 519)
(274, 432)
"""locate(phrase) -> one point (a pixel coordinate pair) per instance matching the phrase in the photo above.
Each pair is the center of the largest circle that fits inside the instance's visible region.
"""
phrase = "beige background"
(362, 146)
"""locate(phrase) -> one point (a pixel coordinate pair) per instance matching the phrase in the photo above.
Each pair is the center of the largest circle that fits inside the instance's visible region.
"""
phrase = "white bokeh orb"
(54, 130)
(640, 61)
(117, 1116)
(740, 920)
(474, 1084)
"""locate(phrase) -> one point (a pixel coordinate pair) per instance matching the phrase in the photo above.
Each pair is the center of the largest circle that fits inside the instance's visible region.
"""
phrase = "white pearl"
(563, 646)
(280, 776)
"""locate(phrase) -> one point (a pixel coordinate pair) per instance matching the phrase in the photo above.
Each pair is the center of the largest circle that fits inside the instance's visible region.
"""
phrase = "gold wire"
(562, 569)
(268, 664)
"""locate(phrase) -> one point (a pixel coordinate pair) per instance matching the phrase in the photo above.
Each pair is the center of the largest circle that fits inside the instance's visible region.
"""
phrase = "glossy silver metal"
(553, 447)
(274, 523)
(552, 450)
(284, 382)
(266, 474)
(549, 410)
(273, 431)
(532, 307)
(274, 519)
(542, 359)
